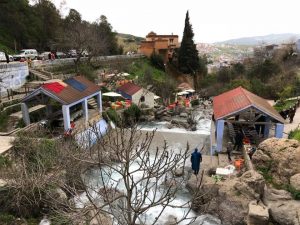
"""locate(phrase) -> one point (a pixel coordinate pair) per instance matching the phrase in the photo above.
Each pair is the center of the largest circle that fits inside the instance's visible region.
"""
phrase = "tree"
(142, 178)
(188, 59)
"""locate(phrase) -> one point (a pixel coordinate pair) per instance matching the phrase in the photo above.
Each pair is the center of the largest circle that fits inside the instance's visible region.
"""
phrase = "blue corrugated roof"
(75, 84)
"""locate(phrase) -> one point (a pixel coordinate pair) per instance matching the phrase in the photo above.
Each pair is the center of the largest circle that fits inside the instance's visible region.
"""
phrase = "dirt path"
(292, 126)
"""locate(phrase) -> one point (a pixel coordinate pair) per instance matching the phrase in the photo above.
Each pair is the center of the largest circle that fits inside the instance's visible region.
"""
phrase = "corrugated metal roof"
(129, 88)
(69, 94)
(239, 99)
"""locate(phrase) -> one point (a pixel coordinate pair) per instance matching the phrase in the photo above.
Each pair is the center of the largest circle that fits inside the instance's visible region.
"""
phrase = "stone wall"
(12, 75)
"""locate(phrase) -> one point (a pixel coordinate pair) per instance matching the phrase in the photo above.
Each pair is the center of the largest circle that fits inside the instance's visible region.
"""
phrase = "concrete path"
(5, 143)
(292, 126)
(32, 109)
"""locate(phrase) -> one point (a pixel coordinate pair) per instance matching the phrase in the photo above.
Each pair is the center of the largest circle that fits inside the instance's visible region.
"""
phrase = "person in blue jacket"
(196, 158)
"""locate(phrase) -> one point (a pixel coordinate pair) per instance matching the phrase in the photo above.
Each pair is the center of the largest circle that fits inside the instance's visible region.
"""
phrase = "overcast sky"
(212, 20)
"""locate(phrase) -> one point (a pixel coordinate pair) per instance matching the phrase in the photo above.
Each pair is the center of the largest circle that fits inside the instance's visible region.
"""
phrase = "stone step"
(92, 102)
(39, 75)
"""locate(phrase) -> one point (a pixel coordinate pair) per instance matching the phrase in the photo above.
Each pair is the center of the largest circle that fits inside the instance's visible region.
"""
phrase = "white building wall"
(298, 45)
(149, 97)
(12, 76)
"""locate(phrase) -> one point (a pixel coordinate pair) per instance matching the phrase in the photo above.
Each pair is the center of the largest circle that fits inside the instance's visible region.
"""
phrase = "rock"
(183, 114)
(45, 222)
(59, 195)
(2, 183)
(169, 126)
(282, 208)
(271, 194)
(207, 219)
(295, 181)
(285, 212)
(172, 220)
(180, 122)
(255, 181)
(170, 183)
(280, 157)
(258, 214)
(194, 127)
(179, 172)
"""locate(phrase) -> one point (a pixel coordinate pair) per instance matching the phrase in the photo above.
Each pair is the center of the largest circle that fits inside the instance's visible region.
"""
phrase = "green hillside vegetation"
(129, 42)
(270, 75)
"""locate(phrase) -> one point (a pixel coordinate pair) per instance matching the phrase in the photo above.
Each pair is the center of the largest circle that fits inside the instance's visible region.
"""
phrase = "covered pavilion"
(72, 93)
(239, 108)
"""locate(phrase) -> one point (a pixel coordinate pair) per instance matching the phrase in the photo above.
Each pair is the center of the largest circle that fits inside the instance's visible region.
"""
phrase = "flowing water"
(177, 139)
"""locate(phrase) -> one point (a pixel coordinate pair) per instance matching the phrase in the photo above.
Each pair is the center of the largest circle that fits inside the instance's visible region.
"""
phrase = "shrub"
(157, 61)
(294, 134)
(113, 116)
(4, 161)
(195, 102)
(132, 114)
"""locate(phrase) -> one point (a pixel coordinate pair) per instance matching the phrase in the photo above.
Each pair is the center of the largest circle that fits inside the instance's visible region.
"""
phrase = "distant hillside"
(129, 42)
(268, 39)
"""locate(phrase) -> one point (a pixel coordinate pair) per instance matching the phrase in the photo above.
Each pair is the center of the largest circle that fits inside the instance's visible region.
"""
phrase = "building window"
(142, 99)
(171, 40)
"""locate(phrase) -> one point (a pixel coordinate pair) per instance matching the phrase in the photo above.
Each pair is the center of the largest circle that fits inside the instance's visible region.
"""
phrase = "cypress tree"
(188, 59)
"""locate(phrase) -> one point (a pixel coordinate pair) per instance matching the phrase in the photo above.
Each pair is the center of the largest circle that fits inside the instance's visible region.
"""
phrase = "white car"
(2, 57)
(25, 54)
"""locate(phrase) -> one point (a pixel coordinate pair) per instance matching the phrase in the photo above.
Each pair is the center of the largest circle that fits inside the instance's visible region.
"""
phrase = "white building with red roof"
(137, 94)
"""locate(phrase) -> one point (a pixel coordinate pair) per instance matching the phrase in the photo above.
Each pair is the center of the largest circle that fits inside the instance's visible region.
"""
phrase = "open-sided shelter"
(70, 92)
(242, 108)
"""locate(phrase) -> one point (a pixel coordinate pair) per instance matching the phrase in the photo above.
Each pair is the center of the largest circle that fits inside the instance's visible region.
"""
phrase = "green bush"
(294, 134)
(132, 114)
(6, 219)
(4, 161)
(195, 102)
(157, 61)
(113, 116)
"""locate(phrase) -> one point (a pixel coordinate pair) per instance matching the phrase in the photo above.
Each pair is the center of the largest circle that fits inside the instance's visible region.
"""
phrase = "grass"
(294, 134)
(139, 67)
(283, 105)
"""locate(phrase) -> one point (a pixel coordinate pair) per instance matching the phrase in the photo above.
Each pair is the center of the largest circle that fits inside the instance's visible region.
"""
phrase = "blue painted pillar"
(66, 115)
(25, 113)
(220, 131)
(279, 130)
(85, 110)
(99, 102)
(267, 128)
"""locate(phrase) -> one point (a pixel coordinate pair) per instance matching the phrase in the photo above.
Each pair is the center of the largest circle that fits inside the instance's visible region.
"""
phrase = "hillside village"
(102, 128)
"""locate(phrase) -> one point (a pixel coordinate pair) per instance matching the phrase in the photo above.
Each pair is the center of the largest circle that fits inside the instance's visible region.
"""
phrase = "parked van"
(25, 54)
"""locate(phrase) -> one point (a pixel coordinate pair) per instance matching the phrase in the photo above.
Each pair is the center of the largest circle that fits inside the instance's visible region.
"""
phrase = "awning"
(183, 93)
(111, 94)
(190, 90)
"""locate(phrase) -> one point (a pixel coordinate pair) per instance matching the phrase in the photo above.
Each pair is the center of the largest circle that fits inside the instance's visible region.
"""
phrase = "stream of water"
(176, 138)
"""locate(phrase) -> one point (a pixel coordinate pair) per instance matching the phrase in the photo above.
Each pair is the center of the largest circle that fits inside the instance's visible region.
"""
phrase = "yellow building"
(163, 45)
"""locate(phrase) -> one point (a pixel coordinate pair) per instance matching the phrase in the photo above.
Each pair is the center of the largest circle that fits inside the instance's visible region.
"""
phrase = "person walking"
(238, 141)
(292, 114)
(229, 150)
(196, 159)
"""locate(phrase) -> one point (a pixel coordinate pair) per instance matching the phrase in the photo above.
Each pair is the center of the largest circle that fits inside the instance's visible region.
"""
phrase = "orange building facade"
(163, 45)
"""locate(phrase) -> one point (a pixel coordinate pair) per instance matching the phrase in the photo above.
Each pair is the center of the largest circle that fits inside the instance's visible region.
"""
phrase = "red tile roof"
(238, 99)
(66, 93)
(129, 88)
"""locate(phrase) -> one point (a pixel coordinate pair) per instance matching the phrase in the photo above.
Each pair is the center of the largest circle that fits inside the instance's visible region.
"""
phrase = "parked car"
(72, 53)
(25, 54)
(61, 55)
(44, 55)
(3, 58)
